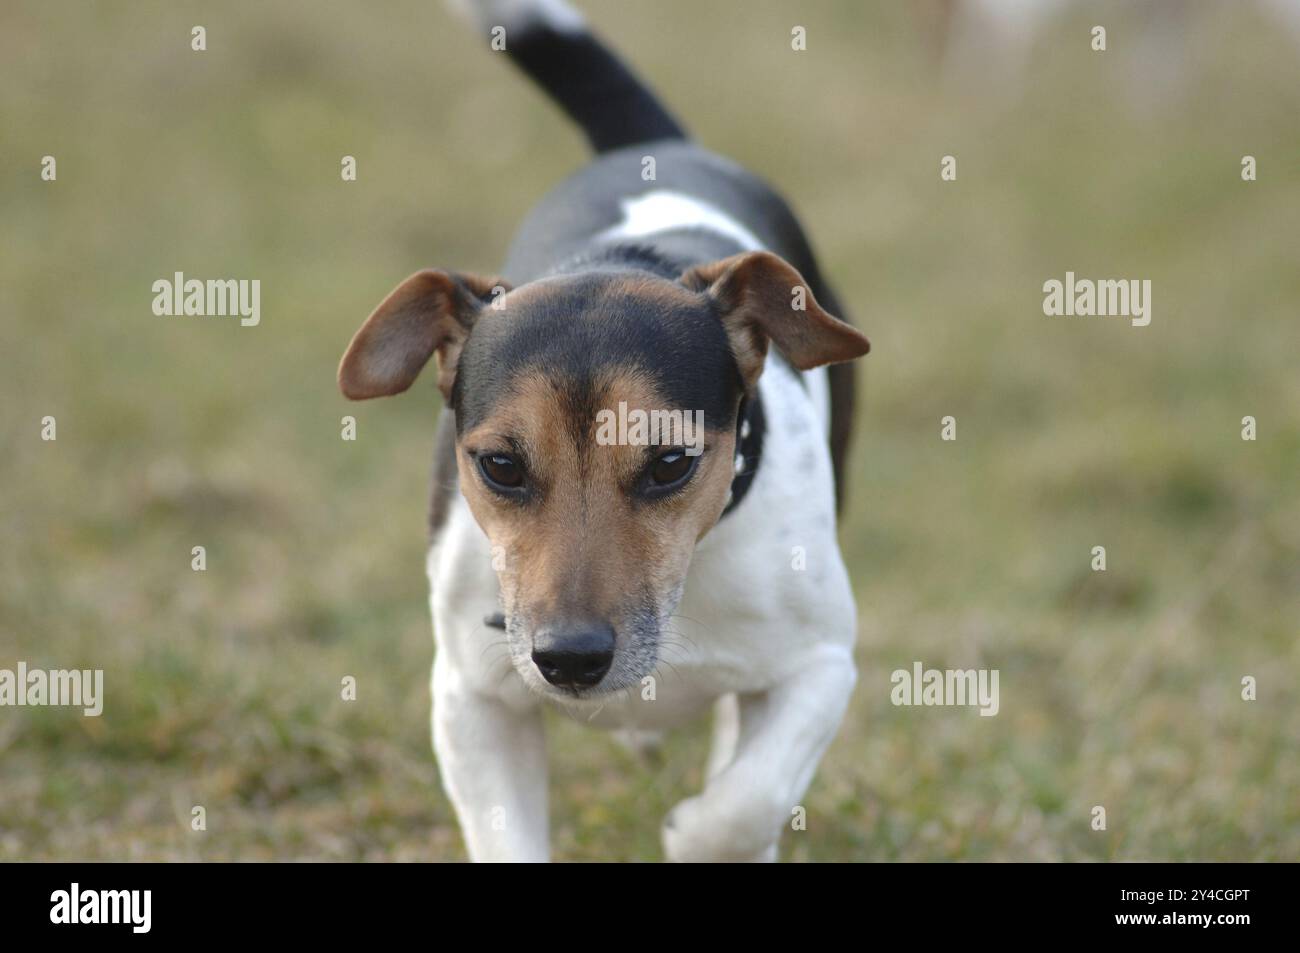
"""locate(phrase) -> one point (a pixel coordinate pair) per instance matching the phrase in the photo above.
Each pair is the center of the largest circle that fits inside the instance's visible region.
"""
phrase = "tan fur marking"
(585, 548)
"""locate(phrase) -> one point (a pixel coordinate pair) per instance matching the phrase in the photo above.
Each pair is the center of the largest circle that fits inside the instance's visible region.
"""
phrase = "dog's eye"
(670, 469)
(501, 471)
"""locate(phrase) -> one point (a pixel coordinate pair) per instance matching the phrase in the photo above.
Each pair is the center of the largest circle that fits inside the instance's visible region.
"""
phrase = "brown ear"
(431, 311)
(759, 296)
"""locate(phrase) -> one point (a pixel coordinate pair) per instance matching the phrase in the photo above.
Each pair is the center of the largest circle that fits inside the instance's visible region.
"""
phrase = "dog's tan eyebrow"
(520, 418)
(479, 441)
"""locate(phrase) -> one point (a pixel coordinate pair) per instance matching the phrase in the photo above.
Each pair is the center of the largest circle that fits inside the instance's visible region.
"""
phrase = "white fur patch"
(663, 210)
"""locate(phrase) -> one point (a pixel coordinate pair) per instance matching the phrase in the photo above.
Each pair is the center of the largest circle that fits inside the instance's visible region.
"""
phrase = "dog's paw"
(695, 831)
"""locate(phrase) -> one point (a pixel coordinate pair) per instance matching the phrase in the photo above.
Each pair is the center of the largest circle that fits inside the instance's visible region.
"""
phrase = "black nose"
(574, 657)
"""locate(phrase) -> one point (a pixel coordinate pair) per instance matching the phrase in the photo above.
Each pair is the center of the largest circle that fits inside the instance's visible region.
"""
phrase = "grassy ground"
(1119, 689)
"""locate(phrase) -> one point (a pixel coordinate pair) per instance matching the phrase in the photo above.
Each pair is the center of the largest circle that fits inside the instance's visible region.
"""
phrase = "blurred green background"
(1119, 689)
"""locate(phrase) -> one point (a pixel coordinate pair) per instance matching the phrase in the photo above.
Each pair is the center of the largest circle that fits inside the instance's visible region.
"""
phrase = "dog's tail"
(551, 42)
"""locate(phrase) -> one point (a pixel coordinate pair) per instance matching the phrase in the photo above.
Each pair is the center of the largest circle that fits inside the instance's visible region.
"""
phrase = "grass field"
(1120, 689)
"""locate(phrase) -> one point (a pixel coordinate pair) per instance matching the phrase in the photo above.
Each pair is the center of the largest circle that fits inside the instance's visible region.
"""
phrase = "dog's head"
(592, 510)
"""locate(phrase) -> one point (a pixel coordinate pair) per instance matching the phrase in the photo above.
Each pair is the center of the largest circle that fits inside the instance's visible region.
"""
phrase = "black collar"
(750, 425)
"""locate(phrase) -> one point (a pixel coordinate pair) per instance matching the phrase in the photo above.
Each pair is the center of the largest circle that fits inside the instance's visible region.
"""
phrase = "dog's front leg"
(492, 758)
(783, 733)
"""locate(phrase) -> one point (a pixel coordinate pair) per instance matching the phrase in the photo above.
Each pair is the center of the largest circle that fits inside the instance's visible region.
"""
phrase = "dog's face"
(594, 530)
(596, 426)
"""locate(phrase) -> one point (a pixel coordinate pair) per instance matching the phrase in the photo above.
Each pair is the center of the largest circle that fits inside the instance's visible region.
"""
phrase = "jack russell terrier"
(639, 579)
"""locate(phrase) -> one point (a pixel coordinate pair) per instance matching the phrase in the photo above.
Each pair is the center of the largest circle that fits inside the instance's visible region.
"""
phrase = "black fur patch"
(593, 322)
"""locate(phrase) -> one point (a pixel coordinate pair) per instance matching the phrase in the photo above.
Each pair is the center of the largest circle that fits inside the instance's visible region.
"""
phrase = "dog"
(634, 581)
